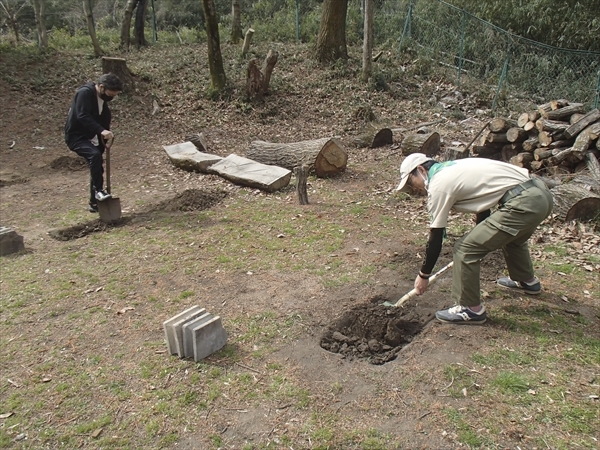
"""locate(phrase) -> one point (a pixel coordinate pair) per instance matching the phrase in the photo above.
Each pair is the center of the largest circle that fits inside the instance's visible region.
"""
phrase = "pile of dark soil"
(68, 163)
(370, 332)
(192, 200)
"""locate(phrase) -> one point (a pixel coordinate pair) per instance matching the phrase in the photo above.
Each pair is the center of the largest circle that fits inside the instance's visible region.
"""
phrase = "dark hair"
(111, 82)
(426, 165)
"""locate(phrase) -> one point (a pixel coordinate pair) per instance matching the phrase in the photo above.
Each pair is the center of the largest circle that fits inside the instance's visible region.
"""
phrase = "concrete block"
(188, 336)
(174, 332)
(10, 241)
(208, 338)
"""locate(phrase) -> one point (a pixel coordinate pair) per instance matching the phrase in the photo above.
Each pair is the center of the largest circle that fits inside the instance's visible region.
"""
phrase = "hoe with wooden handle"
(412, 293)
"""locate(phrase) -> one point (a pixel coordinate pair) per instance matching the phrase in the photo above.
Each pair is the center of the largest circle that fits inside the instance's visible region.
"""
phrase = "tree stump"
(326, 156)
(301, 173)
(118, 66)
(573, 201)
(199, 141)
(254, 80)
(247, 41)
(421, 143)
(268, 66)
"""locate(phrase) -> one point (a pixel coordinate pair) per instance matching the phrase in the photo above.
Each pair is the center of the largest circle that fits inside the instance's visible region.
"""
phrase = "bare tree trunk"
(39, 7)
(236, 21)
(12, 16)
(87, 9)
(331, 40)
(215, 60)
(140, 16)
(368, 41)
(126, 25)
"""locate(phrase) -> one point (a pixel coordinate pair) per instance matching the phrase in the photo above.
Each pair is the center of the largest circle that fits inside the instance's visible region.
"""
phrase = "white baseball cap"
(410, 163)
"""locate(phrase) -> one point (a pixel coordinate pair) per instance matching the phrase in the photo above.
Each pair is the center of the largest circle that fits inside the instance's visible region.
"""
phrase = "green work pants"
(508, 228)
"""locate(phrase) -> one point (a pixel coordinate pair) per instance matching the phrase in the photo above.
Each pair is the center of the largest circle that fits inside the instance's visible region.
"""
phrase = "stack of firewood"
(556, 138)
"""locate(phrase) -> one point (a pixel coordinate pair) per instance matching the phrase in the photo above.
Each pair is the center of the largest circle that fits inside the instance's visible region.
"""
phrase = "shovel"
(109, 209)
(412, 293)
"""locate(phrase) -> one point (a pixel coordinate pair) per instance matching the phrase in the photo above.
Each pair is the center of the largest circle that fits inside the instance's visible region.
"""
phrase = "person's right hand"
(107, 135)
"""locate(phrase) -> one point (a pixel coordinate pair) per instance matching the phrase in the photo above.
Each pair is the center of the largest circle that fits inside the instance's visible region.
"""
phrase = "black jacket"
(84, 121)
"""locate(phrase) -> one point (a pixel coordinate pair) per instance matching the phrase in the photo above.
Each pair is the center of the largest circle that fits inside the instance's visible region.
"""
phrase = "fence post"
(597, 91)
(297, 22)
(462, 44)
(502, 75)
(407, 22)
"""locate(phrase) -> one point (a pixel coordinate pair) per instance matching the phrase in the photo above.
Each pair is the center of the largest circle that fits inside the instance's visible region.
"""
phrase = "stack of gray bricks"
(194, 333)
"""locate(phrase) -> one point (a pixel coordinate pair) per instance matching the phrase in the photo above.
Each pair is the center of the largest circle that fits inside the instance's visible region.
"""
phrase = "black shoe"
(531, 289)
(93, 208)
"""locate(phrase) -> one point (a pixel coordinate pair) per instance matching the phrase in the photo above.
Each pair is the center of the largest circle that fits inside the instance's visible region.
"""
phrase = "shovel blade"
(110, 210)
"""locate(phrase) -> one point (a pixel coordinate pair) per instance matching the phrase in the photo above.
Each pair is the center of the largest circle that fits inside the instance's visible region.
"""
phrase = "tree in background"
(367, 40)
(39, 6)
(215, 60)
(236, 22)
(138, 28)
(126, 24)
(331, 40)
(11, 10)
(89, 17)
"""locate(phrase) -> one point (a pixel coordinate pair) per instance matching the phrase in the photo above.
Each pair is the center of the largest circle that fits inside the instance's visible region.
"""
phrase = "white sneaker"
(102, 195)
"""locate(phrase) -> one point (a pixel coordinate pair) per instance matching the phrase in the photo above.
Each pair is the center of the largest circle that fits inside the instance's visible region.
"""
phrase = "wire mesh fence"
(516, 67)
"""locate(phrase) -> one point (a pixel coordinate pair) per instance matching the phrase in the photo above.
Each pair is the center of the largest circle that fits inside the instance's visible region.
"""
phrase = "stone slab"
(186, 156)
(250, 173)
(208, 338)
(188, 336)
(173, 329)
(10, 241)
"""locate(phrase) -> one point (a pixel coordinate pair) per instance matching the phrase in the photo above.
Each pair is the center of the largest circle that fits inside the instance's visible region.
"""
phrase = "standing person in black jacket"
(88, 129)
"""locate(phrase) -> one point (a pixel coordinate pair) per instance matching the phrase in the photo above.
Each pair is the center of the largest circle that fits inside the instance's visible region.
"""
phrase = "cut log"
(508, 152)
(301, 173)
(516, 134)
(496, 138)
(565, 112)
(586, 137)
(421, 143)
(545, 138)
(575, 118)
(560, 103)
(542, 153)
(561, 143)
(573, 202)
(250, 173)
(582, 123)
(522, 159)
(593, 165)
(530, 144)
(536, 165)
(529, 125)
(523, 119)
(375, 139)
(326, 156)
(551, 125)
(118, 66)
(500, 124)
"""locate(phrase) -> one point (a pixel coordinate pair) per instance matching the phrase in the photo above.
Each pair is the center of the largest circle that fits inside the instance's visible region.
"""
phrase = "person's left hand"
(421, 285)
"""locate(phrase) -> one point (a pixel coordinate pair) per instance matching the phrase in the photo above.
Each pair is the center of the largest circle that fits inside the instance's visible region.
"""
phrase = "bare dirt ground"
(389, 363)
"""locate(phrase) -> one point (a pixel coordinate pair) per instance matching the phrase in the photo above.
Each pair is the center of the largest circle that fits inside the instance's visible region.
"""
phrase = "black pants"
(93, 156)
